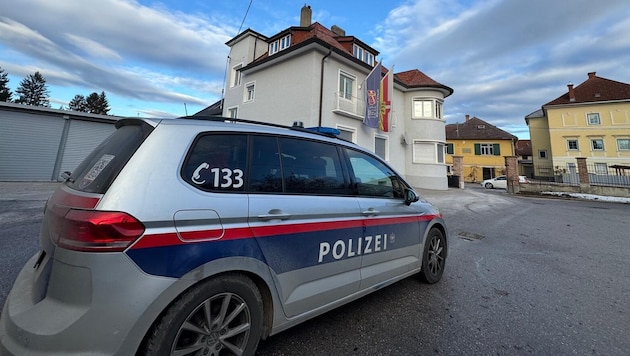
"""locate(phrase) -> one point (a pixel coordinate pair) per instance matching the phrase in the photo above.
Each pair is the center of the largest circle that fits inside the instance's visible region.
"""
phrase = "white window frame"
(597, 140)
(348, 129)
(363, 54)
(627, 145)
(424, 109)
(441, 152)
(250, 92)
(274, 47)
(236, 75)
(593, 118)
(542, 154)
(435, 157)
(232, 112)
(577, 144)
(438, 109)
(343, 77)
(385, 138)
(285, 42)
(486, 149)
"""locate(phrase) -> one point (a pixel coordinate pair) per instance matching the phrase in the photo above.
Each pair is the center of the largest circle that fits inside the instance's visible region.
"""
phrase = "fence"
(551, 174)
(599, 174)
(602, 174)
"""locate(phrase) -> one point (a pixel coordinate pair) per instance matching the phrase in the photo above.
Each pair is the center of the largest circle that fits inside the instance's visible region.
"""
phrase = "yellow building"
(591, 120)
(482, 147)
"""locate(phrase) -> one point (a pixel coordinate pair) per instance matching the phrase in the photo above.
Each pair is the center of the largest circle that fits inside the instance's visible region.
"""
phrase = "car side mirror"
(411, 196)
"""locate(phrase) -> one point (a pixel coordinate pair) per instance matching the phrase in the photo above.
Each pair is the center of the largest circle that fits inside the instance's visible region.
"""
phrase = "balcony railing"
(354, 107)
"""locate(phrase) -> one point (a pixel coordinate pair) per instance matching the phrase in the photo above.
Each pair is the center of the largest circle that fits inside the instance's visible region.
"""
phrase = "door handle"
(371, 211)
(274, 214)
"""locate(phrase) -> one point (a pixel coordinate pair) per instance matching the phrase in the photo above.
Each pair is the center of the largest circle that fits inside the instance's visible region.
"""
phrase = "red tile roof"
(523, 148)
(476, 129)
(415, 77)
(343, 44)
(594, 89)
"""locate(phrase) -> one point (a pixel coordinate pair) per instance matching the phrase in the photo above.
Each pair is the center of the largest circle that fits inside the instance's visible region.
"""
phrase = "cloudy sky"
(503, 58)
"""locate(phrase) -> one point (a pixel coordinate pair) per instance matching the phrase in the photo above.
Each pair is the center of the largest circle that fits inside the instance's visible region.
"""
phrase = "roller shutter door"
(28, 146)
(83, 137)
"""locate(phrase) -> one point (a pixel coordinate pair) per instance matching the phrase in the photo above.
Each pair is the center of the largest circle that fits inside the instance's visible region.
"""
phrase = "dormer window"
(362, 54)
(279, 44)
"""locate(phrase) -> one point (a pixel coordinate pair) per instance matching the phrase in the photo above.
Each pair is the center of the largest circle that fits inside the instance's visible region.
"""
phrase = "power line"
(244, 17)
(228, 59)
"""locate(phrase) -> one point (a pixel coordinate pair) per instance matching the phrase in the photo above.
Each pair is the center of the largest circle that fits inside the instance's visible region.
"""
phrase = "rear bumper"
(79, 313)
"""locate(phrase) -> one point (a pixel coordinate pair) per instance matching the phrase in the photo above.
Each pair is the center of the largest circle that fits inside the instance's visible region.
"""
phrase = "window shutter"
(477, 149)
(496, 149)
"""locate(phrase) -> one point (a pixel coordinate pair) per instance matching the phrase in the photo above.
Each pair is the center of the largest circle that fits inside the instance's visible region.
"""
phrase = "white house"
(317, 75)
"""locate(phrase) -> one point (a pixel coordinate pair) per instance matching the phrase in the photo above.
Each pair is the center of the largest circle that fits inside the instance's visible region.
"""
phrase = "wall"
(584, 189)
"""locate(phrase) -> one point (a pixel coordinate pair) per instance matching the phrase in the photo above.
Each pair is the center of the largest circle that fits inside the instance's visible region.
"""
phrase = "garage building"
(38, 143)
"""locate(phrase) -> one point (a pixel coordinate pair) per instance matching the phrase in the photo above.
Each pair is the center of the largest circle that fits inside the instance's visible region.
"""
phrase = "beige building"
(482, 147)
(591, 120)
(316, 75)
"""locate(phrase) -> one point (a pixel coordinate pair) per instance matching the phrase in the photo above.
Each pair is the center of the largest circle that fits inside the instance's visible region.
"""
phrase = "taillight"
(97, 231)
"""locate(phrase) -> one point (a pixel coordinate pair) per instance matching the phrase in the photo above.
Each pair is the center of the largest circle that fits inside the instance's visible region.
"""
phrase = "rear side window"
(312, 167)
(97, 171)
(217, 162)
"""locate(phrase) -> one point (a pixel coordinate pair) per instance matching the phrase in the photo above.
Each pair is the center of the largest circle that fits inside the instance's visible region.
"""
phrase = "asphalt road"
(525, 275)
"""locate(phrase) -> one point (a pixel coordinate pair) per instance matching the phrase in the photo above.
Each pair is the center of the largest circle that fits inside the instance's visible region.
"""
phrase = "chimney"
(591, 75)
(338, 30)
(571, 92)
(305, 16)
(467, 117)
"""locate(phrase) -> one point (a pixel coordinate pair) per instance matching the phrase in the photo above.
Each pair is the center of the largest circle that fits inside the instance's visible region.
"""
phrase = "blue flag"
(372, 97)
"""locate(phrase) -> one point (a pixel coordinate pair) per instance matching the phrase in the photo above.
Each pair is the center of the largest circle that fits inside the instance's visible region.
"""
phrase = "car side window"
(312, 167)
(216, 162)
(265, 173)
(373, 178)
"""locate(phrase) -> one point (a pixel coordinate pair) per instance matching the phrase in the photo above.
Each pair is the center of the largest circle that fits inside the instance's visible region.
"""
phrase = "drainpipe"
(321, 86)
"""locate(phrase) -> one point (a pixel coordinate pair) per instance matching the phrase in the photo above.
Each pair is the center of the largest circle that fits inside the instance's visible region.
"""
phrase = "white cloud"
(92, 48)
(505, 59)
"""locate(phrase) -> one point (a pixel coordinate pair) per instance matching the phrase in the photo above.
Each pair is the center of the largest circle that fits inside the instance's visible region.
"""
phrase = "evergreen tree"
(33, 91)
(104, 104)
(97, 104)
(5, 92)
(78, 103)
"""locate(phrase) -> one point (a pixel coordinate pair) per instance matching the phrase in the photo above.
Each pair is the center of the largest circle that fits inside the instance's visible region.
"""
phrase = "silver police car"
(202, 237)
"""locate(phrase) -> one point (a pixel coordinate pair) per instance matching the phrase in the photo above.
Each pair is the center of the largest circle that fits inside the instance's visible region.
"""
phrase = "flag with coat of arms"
(373, 97)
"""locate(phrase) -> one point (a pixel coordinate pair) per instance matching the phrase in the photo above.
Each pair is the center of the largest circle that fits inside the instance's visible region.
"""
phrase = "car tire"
(489, 185)
(433, 257)
(222, 316)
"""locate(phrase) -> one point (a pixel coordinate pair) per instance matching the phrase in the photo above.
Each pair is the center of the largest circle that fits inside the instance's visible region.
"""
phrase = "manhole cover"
(470, 236)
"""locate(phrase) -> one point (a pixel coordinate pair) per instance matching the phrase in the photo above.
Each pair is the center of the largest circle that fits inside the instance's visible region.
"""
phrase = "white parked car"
(496, 182)
(501, 182)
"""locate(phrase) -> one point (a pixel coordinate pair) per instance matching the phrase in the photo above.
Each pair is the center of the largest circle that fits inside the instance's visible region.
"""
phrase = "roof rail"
(297, 125)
